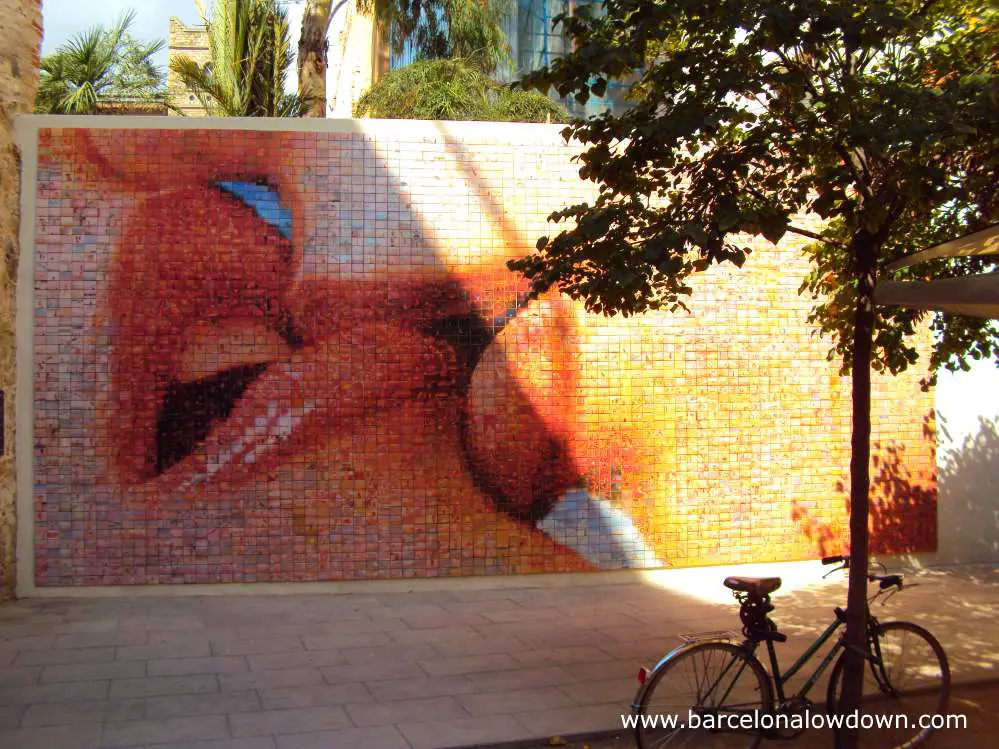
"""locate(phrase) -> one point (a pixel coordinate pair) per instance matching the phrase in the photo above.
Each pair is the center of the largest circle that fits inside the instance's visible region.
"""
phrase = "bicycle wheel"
(711, 683)
(908, 679)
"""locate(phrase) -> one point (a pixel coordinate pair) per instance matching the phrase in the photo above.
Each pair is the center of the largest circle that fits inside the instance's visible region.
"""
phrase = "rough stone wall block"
(20, 39)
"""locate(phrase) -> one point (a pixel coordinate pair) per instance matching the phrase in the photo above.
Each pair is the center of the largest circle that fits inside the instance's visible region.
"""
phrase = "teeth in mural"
(313, 393)
(592, 527)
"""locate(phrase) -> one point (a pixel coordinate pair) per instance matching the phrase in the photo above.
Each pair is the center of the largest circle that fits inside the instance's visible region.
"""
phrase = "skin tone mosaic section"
(268, 356)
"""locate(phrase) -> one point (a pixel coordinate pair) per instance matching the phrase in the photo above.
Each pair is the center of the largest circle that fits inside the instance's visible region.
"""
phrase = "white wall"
(968, 465)
(350, 61)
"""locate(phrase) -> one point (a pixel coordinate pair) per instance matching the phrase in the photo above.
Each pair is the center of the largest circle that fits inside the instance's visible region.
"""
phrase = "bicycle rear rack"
(726, 635)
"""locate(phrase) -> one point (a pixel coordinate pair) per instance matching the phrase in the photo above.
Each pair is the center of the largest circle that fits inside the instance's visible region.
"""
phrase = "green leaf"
(773, 227)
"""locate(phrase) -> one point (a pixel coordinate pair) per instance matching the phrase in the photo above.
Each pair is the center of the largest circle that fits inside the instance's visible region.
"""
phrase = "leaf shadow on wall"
(969, 480)
(902, 511)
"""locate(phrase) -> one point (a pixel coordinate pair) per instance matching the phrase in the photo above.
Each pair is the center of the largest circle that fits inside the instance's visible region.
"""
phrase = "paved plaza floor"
(448, 663)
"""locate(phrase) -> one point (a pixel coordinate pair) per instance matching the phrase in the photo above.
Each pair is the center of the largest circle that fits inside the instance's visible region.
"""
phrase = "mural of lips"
(299, 356)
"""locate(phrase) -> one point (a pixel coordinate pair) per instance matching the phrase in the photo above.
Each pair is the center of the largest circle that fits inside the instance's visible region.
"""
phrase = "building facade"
(189, 41)
(359, 54)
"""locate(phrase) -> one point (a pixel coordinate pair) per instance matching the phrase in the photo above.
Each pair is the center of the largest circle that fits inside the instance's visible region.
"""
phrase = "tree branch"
(817, 237)
(840, 149)
(796, 229)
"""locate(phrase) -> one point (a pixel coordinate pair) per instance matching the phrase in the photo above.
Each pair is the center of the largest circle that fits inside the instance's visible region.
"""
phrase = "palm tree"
(98, 67)
(250, 50)
(435, 29)
(312, 52)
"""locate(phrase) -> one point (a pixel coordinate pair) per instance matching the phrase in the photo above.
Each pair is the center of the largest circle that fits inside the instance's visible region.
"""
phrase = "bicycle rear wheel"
(908, 678)
(715, 682)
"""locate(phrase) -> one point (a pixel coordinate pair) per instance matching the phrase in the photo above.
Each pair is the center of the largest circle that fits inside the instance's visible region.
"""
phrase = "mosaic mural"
(277, 356)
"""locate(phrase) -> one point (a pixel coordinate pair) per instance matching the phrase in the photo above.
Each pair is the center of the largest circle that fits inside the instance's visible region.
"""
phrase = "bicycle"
(732, 700)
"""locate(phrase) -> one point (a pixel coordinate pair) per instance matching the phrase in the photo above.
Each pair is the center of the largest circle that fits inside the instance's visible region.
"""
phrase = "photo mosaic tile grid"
(275, 356)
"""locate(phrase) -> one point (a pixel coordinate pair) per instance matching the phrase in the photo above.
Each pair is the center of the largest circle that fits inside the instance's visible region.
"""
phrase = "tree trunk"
(864, 253)
(312, 48)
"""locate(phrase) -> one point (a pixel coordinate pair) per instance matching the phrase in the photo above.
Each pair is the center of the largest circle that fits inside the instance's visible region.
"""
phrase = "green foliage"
(98, 66)
(251, 55)
(517, 105)
(443, 29)
(452, 90)
(880, 117)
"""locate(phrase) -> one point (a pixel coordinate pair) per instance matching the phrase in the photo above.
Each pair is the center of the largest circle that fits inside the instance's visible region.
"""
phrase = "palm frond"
(210, 94)
(98, 65)
(250, 47)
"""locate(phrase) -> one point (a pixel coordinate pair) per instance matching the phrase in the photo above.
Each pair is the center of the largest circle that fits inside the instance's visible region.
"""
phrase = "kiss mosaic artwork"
(295, 356)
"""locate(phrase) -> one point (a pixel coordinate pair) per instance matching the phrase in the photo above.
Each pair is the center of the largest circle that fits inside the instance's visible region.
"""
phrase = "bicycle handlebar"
(884, 581)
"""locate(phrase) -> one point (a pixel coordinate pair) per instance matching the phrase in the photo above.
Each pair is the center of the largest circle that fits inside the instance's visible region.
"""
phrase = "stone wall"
(20, 38)
(266, 355)
(190, 41)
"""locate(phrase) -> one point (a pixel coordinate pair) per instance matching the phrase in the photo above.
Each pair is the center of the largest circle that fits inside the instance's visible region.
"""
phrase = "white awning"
(975, 296)
(984, 242)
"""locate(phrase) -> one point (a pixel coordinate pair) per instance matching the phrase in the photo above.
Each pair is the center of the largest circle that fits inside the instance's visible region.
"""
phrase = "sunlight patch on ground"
(705, 583)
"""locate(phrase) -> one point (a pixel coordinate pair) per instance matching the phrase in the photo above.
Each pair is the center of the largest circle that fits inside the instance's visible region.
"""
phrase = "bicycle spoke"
(908, 678)
(709, 680)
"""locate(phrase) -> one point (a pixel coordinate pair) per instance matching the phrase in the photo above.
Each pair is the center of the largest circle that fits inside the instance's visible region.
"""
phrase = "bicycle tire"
(747, 689)
(918, 683)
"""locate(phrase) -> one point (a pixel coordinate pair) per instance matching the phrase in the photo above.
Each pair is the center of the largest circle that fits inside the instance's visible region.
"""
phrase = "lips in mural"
(213, 374)
(226, 362)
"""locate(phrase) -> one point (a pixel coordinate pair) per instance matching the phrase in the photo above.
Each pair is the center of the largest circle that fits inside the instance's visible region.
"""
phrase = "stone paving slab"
(425, 669)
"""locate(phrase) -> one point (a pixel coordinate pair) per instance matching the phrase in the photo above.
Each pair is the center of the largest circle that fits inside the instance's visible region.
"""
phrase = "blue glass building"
(534, 43)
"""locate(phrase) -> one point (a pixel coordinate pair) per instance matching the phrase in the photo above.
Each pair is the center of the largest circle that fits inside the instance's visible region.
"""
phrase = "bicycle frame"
(780, 679)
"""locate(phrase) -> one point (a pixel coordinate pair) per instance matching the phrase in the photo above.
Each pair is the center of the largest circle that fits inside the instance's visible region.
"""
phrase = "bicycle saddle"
(755, 586)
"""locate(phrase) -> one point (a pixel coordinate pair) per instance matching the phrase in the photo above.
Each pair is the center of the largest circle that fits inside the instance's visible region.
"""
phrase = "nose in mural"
(228, 360)
(212, 376)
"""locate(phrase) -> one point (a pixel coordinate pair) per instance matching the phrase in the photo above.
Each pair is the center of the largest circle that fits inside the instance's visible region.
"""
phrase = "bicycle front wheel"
(700, 696)
(906, 684)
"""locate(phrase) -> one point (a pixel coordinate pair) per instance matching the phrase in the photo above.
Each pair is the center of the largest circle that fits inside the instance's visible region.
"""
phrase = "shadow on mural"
(300, 356)
(903, 503)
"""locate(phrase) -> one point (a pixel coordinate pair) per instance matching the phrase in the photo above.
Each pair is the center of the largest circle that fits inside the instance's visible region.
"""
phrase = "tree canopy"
(453, 90)
(444, 29)
(98, 68)
(879, 116)
(250, 50)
